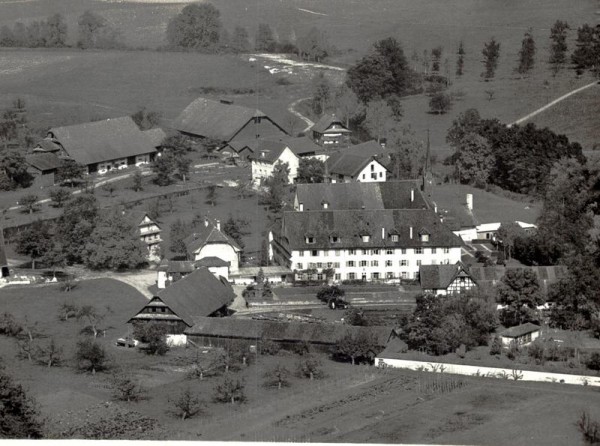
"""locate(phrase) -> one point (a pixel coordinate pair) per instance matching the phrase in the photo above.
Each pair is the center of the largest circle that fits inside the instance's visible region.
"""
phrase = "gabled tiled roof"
(99, 141)
(196, 295)
(359, 195)
(348, 164)
(439, 277)
(327, 121)
(206, 235)
(211, 262)
(379, 224)
(315, 333)
(268, 151)
(47, 146)
(369, 148)
(215, 119)
(156, 136)
(520, 330)
(43, 161)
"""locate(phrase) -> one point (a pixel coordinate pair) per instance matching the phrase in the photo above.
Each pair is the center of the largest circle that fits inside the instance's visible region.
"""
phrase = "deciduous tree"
(491, 54)
(35, 241)
(380, 119)
(240, 42)
(520, 291)
(91, 356)
(526, 54)
(310, 170)
(265, 39)
(19, 415)
(198, 26)
(558, 45)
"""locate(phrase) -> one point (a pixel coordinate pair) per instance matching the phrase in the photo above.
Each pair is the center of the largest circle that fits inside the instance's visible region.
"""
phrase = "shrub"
(496, 347)
(126, 389)
(19, 416)
(302, 348)
(513, 351)
(536, 350)
(310, 367)
(589, 428)
(593, 362)
(90, 355)
(268, 347)
(9, 326)
(187, 404)
(154, 335)
(229, 391)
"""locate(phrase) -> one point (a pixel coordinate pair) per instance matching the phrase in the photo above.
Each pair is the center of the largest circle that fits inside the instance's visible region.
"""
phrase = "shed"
(523, 334)
(43, 167)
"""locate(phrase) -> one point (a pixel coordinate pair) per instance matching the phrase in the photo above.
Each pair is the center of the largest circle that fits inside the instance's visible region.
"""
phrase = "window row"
(364, 264)
(368, 252)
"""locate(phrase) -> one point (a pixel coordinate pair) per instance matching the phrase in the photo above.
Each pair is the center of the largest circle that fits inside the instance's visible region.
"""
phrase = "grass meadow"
(350, 404)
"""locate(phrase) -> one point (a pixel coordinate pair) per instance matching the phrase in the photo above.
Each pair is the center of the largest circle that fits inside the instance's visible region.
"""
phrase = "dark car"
(337, 303)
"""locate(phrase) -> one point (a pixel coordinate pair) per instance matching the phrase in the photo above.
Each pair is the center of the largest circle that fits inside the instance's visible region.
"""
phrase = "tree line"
(198, 27)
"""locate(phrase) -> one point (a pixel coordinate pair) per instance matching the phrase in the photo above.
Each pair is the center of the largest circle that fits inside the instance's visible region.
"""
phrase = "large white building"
(210, 243)
(361, 244)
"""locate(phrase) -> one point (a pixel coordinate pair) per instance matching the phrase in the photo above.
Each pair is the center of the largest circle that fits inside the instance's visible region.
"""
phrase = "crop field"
(350, 404)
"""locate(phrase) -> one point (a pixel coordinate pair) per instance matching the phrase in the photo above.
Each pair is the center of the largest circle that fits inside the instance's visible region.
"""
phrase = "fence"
(489, 372)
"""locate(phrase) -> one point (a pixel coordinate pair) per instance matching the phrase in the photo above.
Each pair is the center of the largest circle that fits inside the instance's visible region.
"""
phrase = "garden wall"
(490, 372)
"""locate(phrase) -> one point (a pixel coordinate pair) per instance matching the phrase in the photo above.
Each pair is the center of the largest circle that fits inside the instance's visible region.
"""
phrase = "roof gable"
(198, 294)
(349, 164)
(205, 235)
(43, 161)
(440, 277)
(327, 121)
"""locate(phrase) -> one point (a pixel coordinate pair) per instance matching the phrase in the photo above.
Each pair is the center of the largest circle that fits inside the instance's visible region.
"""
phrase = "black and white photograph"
(300, 221)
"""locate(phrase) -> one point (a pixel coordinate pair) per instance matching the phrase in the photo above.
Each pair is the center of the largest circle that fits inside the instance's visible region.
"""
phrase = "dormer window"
(394, 237)
(309, 239)
(334, 239)
(424, 237)
(366, 238)
(325, 205)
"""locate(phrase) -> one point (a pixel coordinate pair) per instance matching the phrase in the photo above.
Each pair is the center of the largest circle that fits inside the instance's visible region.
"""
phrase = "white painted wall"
(221, 271)
(372, 173)
(467, 234)
(222, 251)
(506, 341)
(328, 258)
(176, 340)
(491, 372)
(263, 170)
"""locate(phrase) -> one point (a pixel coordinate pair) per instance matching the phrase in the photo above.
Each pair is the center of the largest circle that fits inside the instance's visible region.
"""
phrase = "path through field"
(552, 104)
(293, 111)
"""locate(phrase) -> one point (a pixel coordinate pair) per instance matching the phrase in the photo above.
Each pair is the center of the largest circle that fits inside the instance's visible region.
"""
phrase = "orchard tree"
(520, 291)
(187, 404)
(347, 104)
(314, 45)
(94, 32)
(91, 356)
(146, 119)
(277, 376)
(357, 347)
(379, 119)
(491, 54)
(265, 39)
(13, 168)
(69, 172)
(460, 60)
(383, 72)
(93, 317)
(558, 45)
(321, 93)
(35, 241)
(60, 196)
(240, 42)
(436, 57)
(440, 103)
(30, 203)
(587, 49)
(526, 54)
(19, 415)
(113, 244)
(229, 391)
(311, 170)
(198, 26)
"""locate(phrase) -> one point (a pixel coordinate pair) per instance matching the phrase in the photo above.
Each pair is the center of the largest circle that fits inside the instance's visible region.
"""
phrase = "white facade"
(373, 264)
(372, 172)
(150, 235)
(117, 164)
(223, 251)
(142, 159)
(262, 170)
(220, 271)
(466, 234)
(524, 340)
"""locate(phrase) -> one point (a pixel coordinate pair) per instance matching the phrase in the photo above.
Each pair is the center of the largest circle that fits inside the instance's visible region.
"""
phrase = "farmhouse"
(523, 334)
(225, 122)
(4, 271)
(209, 241)
(371, 245)
(358, 195)
(199, 294)
(43, 166)
(268, 156)
(346, 167)
(149, 232)
(101, 146)
(330, 131)
(215, 332)
(446, 279)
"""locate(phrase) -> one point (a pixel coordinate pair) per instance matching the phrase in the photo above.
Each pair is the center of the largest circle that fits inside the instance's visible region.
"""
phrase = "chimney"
(382, 233)
(262, 154)
(434, 206)
(410, 233)
(412, 195)
(205, 222)
(301, 207)
(470, 202)
(218, 225)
